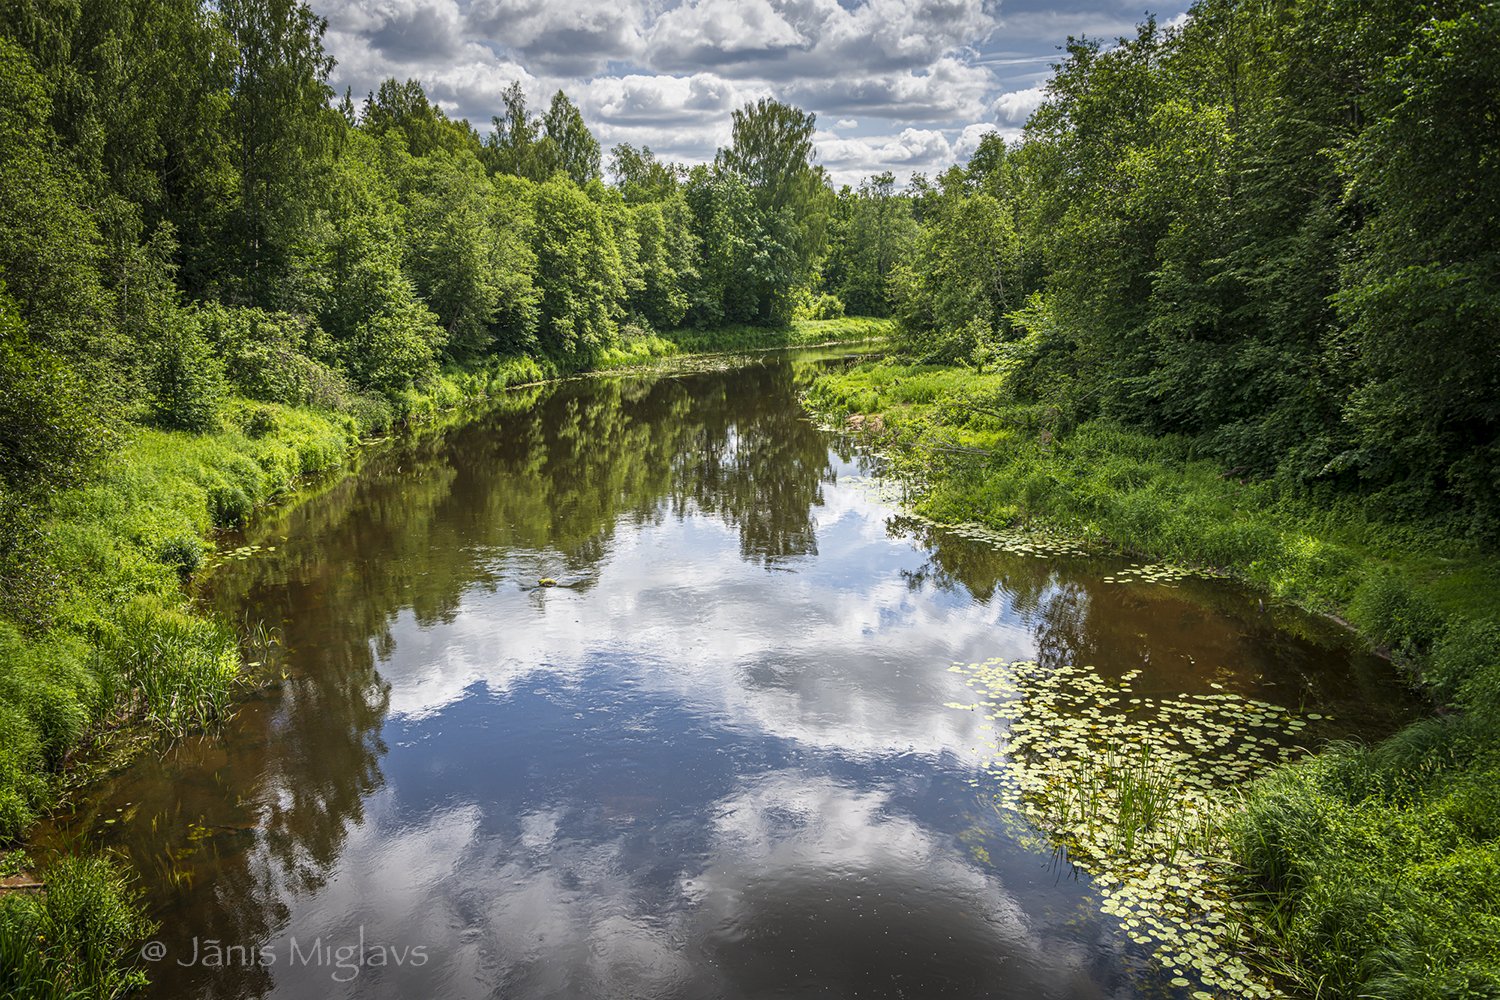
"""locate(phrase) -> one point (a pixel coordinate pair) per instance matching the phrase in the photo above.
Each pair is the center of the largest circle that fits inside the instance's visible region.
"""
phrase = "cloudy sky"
(903, 85)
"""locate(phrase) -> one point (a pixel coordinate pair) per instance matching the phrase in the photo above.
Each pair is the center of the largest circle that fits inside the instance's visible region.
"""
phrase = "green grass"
(1375, 868)
(799, 333)
(113, 642)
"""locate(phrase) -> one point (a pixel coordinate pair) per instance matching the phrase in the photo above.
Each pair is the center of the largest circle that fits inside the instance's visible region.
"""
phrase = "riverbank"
(1372, 869)
(116, 656)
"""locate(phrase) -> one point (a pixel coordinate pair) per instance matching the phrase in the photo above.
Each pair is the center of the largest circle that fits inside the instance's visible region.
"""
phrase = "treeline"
(1274, 229)
(187, 209)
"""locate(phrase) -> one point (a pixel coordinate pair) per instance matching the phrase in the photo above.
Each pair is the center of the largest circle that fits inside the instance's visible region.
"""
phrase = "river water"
(716, 755)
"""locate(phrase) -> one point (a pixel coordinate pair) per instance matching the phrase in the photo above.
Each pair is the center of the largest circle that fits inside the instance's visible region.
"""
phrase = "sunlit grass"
(76, 937)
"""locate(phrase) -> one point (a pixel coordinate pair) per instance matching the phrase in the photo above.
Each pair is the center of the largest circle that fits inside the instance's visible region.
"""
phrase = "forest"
(1257, 253)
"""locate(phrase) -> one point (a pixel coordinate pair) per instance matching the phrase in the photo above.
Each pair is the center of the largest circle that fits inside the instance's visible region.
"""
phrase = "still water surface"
(712, 761)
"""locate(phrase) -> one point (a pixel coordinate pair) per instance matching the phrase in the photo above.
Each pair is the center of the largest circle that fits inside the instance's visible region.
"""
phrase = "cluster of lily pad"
(1133, 788)
(1034, 542)
(1165, 573)
(239, 553)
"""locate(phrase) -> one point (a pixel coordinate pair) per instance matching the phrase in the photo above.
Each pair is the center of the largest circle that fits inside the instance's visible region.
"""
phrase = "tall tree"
(772, 149)
(517, 144)
(577, 149)
(283, 131)
(404, 107)
(642, 177)
(771, 152)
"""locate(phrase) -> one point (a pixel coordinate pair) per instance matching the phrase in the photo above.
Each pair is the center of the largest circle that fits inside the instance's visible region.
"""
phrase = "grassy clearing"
(1373, 869)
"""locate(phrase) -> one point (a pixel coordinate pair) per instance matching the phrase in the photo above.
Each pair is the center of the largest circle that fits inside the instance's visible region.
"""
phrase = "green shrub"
(185, 552)
(1389, 611)
(1468, 649)
(372, 414)
(273, 356)
(186, 380)
(1373, 870)
(260, 422)
(229, 507)
(825, 306)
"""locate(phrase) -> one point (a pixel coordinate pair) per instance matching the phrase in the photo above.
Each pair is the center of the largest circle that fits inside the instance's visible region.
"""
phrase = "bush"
(186, 381)
(21, 766)
(229, 507)
(274, 356)
(184, 552)
(1468, 649)
(260, 422)
(371, 414)
(1390, 612)
(824, 306)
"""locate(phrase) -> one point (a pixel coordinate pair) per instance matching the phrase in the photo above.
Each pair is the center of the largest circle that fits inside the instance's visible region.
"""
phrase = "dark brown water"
(712, 761)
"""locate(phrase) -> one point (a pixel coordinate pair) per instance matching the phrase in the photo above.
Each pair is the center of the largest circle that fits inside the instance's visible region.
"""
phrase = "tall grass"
(175, 670)
(1121, 794)
(74, 939)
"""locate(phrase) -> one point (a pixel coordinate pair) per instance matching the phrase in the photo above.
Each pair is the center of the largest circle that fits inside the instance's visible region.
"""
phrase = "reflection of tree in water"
(1183, 636)
(758, 463)
(528, 490)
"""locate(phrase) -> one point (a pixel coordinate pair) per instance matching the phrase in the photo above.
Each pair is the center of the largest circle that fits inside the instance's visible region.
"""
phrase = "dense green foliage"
(1253, 230)
(1234, 300)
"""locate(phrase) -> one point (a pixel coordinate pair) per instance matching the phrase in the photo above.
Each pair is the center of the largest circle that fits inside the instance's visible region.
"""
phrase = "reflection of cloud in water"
(805, 882)
(834, 657)
(858, 895)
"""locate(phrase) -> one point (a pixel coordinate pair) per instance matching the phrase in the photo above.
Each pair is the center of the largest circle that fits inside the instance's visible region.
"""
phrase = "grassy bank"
(800, 333)
(1375, 868)
(107, 640)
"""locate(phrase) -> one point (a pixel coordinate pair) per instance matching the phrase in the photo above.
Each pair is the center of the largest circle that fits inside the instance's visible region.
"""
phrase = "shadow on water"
(709, 757)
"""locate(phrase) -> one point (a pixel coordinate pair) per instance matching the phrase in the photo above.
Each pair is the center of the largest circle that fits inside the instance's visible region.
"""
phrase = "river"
(637, 687)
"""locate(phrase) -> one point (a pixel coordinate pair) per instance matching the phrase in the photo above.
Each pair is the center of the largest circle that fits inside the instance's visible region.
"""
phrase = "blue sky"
(903, 85)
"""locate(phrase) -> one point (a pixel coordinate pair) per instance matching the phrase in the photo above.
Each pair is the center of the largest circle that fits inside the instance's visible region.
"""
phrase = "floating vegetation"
(1164, 573)
(238, 554)
(1133, 788)
(1042, 544)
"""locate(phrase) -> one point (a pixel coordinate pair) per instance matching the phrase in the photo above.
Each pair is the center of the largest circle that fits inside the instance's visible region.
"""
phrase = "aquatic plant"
(175, 670)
